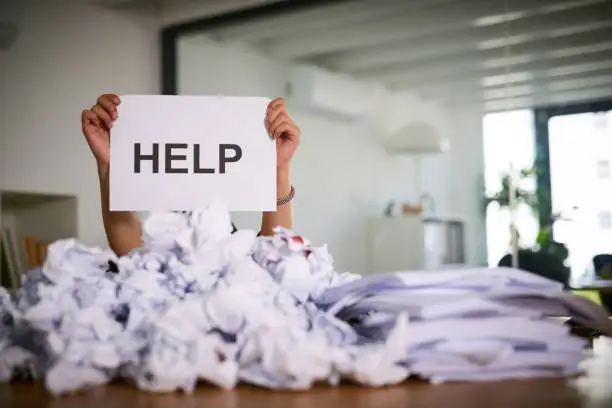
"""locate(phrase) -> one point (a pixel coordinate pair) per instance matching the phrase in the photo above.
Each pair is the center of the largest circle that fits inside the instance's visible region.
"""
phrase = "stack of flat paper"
(200, 303)
(471, 324)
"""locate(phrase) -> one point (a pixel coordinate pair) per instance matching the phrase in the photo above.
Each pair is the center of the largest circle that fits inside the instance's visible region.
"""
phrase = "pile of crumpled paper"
(198, 303)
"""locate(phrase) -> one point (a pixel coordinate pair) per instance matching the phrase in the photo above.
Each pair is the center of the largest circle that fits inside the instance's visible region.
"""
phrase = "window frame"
(542, 116)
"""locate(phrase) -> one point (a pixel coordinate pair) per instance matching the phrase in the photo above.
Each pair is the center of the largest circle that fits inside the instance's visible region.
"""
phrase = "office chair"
(539, 263)
(602, 264)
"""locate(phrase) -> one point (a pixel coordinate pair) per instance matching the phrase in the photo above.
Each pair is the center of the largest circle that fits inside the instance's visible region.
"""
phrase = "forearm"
(123, 229)
(283, 216)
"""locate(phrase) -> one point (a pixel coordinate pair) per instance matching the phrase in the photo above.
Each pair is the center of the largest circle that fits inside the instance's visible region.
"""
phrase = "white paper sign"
(182, 152)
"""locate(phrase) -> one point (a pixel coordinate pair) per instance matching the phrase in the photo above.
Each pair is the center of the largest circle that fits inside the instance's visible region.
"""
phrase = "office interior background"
(413, 113)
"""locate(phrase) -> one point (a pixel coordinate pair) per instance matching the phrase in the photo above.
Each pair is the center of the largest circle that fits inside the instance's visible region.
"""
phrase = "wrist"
(282, 173)
(102, 169)
(283, 182)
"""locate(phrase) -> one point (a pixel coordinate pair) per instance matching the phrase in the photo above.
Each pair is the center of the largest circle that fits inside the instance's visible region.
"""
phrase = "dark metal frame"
(541, 117)
(171, 34)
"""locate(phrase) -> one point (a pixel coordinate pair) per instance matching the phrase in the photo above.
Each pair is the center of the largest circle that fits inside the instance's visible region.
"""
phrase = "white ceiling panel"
(463, 51)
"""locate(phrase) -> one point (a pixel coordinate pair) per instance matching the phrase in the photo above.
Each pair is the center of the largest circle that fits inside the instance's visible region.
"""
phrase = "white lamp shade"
(416, 138)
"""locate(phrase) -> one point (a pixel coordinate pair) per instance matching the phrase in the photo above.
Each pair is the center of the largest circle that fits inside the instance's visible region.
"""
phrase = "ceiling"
(505, 54)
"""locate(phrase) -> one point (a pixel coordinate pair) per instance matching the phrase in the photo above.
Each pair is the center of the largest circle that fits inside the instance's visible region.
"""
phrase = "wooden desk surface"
(594, 390)
(414, 395)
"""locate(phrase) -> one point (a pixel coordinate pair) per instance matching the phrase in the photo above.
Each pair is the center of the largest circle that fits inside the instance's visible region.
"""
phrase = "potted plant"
(522, 195)
(548, 257)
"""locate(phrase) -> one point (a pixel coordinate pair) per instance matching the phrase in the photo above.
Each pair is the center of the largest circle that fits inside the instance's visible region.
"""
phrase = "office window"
(603, 169)
(580, 153)
(605, 220)
(600, 121)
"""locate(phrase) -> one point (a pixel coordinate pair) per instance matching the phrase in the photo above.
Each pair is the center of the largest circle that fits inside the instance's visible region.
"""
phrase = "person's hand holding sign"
(283, 130)
(97, 123)
(287, 136)
(123, 229)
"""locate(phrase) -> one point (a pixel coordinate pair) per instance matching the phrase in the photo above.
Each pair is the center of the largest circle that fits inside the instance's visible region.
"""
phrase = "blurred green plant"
(546, 243)
(537, 201)
(521, 195)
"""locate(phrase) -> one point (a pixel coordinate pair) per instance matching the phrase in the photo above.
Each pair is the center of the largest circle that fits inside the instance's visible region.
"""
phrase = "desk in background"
(600, 285)
(599, 291)
(411, 242)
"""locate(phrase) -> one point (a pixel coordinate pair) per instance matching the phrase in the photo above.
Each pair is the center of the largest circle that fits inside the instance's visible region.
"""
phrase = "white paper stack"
(198, 303)
(471, 324)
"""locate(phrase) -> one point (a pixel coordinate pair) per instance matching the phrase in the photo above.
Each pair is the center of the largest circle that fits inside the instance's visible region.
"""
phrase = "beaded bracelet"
(286, 199)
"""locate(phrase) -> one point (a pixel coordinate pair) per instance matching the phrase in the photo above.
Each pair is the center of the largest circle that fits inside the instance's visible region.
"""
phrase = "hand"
(97, 123)
(283, 130)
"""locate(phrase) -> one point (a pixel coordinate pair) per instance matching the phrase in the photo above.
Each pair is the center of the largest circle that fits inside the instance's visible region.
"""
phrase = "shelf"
(12, 200)
(41, 218)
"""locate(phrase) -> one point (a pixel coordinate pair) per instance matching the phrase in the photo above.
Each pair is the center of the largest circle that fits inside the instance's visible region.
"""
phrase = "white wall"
(341, 173)
(67, 54)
